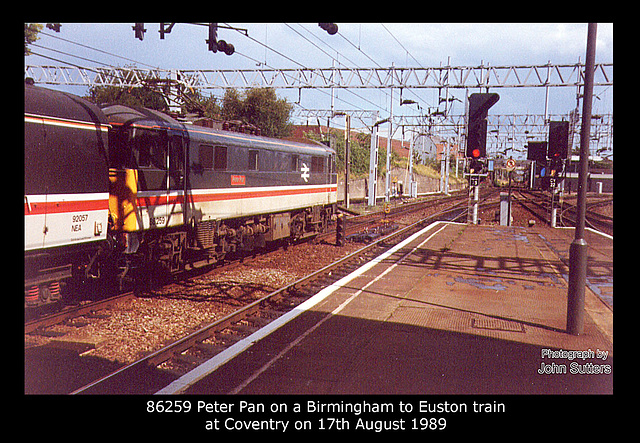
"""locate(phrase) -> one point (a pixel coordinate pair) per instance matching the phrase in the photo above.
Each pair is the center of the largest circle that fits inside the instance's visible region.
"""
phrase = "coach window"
(294, 162)
(253, 160)
(143, 143)
(176, 162)
(151, 147)
(176, 153)
(220, 160)
(120, 153)
(317, 164)
(205, 156)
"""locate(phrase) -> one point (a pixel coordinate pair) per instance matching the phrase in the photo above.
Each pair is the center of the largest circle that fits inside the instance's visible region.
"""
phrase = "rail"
(182, 344)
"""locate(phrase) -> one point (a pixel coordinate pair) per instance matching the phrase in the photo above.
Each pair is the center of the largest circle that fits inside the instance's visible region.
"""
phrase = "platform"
(455, 309)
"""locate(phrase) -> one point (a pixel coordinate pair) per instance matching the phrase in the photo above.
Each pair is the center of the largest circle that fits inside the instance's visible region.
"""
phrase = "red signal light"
(475, 153)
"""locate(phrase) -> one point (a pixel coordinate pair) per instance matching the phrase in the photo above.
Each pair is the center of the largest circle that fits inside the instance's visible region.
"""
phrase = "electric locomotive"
(183, 195)
(66, 193)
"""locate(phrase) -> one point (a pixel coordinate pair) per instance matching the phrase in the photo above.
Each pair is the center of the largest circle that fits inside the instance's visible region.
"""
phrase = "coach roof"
(135, 115)
(47, 102)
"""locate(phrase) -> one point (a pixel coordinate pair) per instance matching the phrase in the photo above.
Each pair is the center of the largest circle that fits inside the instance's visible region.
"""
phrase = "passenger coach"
(66, 195)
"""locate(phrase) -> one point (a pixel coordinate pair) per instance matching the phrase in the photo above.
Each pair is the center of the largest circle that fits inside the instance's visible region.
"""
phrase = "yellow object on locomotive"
(123, 194)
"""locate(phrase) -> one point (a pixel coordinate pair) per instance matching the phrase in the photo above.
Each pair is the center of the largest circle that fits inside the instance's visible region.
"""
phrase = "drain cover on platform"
(497, 324)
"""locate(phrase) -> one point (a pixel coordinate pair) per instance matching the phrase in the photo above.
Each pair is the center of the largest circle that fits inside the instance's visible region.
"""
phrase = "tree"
(259, 107)
(142, 96)
(232, 105)
(109, 95)
(31, 31)
(195, 103)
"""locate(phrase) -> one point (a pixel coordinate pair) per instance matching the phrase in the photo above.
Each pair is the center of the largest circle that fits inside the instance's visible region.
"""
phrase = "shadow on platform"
(349, 355)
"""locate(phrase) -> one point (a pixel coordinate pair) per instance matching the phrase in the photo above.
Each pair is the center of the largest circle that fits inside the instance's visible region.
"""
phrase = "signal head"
(331, 28)
(225, 47)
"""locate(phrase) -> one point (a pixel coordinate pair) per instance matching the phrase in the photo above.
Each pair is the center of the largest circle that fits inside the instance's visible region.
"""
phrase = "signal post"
(476, 151)
(558, 151)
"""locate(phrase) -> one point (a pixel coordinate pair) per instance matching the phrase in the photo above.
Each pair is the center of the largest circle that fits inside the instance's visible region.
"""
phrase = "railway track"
(355, 224)
(436, 207)
(539, 204)
(190, 350)
(35, 320)
(201, 345)
(71, 312)
(594, 219)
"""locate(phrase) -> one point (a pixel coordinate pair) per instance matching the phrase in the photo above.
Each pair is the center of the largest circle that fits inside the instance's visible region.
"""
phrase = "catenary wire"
(98, 50)
(304, 67)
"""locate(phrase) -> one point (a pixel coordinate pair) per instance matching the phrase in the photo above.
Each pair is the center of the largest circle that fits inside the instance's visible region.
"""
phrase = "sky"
(356, 45)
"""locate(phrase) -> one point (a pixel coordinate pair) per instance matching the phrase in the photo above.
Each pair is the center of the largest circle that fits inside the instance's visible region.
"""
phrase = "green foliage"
(259, 107)
(195, 103)
(31, 31)
(103, 95)
(109, 95)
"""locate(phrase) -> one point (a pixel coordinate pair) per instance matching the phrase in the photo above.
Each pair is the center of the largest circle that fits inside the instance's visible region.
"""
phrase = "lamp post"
(578, 249)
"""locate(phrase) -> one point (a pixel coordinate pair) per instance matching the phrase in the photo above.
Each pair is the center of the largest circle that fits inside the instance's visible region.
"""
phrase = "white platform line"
(181, 384)
(336, 311)
(595, 231)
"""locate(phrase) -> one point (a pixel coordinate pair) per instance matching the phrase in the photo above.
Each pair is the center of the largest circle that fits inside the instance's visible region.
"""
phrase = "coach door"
(176, 183)
(150, 147)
